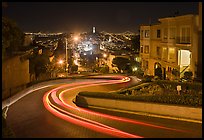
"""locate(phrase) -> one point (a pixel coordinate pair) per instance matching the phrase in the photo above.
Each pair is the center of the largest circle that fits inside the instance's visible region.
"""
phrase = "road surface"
(49, 112)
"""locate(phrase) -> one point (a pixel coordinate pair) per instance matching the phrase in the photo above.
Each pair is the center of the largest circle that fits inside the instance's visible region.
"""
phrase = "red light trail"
(58, 106)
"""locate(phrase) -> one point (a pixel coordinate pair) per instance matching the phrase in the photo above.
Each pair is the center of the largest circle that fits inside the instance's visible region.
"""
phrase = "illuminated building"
(200, 43)
(94, 30)
(170, 44)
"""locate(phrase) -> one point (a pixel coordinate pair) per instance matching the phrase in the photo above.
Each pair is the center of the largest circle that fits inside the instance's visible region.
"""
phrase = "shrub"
(157, 92)
(147, 78)
(188, 75)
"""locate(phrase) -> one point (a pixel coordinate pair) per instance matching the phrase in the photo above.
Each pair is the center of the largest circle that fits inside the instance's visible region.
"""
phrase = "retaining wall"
(136, 106)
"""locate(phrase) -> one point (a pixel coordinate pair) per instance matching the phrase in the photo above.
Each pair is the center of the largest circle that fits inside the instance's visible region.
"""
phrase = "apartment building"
(200, 43)
(170, 44)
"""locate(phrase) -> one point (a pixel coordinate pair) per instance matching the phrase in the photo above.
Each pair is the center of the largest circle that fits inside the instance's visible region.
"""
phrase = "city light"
(134, 69)
(104, 55)
(60, 61)
(76, 38)
(126, 79)
(76, 62)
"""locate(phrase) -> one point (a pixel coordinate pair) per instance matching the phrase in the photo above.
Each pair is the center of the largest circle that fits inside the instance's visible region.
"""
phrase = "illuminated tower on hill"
(94, 29)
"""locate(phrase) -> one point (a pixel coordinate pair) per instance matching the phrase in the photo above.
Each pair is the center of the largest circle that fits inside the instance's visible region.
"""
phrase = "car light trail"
(93, 125)
(58, 106)
(96, 126)
(63, 100)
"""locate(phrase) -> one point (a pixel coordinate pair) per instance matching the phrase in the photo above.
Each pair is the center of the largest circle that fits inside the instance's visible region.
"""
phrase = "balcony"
(170, 41)
(183, 40)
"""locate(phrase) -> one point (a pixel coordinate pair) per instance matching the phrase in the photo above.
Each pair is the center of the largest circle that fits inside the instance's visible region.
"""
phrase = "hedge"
(157, 92)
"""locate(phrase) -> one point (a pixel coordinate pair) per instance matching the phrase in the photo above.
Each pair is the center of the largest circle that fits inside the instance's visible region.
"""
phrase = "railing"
(177, 40)
(184, 69)
(183, 40)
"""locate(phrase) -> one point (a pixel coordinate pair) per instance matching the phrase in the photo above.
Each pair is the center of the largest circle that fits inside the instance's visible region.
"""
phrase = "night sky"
(78, 17)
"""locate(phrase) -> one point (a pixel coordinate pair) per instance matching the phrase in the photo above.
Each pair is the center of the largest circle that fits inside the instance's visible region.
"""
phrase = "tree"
(74, 68)
(60, 50)
(135, 43)
(40, 64)
(12, 37)
(136, 69)
(121, 63)
(104, 69)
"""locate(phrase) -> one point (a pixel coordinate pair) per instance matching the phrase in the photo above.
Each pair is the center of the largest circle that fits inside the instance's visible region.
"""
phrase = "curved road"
(49, 112)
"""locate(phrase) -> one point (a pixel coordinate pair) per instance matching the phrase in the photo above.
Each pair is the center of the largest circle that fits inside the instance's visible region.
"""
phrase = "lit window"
(146, 33)
(184, 57)
(171, 53)
(158, 51)
(141, 49)
(146, 49)
(164, 53)
(185, 35)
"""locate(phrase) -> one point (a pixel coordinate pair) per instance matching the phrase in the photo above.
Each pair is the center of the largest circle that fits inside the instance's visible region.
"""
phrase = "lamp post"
(69, 60)
(66, 63)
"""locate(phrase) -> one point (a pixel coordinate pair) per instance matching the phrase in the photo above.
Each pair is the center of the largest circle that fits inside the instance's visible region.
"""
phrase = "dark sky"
(82, 16)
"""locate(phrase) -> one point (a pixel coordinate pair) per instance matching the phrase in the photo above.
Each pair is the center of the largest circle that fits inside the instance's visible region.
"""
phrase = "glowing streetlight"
(134, 69)
(104, 55)
(66, 67)
(76, 38)
(60, 61)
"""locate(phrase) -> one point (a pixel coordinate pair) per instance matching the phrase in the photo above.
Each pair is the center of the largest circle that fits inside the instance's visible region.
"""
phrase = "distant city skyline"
(116, 17)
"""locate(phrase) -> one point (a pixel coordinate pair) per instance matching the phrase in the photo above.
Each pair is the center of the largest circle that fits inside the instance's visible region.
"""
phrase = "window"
(165, 33)
(141, 34)
(164, 53)
(146, 33)
(184, 57)
(171, 53)
(185, 35)
(145, 64)
(169, 69)
(172, 33)
(141, 49)
(158, 51)
(146, 49)
(158, 33)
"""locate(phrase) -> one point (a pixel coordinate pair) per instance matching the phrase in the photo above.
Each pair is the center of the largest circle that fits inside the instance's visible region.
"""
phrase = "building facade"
(172, 44)
(200, 43)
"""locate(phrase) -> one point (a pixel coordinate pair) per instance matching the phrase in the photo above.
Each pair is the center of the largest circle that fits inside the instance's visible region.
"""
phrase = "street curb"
(157, 110)
(146, 114)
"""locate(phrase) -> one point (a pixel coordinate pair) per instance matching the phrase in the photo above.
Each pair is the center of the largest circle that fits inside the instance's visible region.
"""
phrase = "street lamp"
(69, 64)
(104, 55)
(66, 64)
(60, 62)
(76, 38)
